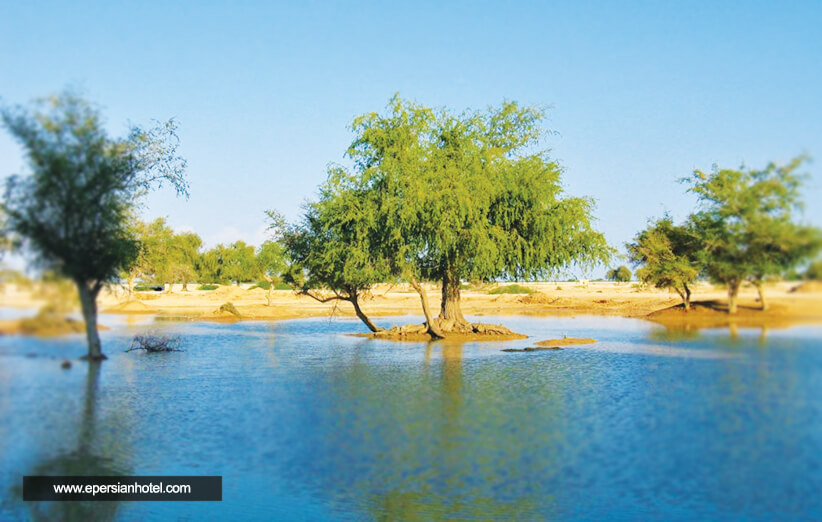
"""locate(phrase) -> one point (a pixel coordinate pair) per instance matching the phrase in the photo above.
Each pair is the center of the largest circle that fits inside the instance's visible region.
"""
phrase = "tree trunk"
(270, 281)
(88, 300)
(687, 297)
(450, 308)
(762, 300)
(185, 286)
(364, 318)
(130, 286)
(433, 329)
(733, 291)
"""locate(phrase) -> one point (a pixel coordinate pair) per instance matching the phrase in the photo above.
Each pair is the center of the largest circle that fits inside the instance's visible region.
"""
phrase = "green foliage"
(620, 275)
(746, 222)
(224, 264)
(465, 197)
(271, 261)
(668, 256)
(814, 271)
(511, 289)
(240, 264)
(334, 247)
(208, 287)
(74, 209)
(166, 257)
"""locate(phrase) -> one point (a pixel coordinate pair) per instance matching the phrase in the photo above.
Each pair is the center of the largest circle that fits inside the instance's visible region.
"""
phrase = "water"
(304, 422)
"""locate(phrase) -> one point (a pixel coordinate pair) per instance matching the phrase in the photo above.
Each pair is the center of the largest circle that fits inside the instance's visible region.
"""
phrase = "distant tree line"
(166, 257)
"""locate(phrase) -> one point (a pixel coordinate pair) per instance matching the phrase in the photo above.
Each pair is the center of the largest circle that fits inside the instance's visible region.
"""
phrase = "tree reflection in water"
(90, 457)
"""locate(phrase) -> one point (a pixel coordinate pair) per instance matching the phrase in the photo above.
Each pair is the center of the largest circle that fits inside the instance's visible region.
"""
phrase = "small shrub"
(282, 286)
(143, 287)
(261, 284)
(152, 343)
(511, 289)
(230, 308)
(49, 321)
(208, 287)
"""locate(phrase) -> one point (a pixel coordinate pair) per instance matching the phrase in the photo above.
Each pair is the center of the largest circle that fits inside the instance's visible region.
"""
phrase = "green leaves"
(669, 255)
(74, 207)
(746, 221)
(436, 195)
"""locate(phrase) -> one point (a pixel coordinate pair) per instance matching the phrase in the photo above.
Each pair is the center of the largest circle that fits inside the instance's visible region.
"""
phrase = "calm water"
(304, 422)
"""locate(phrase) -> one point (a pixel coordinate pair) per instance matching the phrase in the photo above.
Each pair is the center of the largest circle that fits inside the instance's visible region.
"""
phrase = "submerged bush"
(152, 343)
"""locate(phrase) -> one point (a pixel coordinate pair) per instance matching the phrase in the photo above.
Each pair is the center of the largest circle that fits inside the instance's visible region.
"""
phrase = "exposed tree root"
(449, 330)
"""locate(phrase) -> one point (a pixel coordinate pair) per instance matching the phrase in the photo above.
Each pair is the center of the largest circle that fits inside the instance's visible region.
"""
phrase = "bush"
(152, 343)
(49, 321)
(620, 275)
(144, 287)
(511, 289)
(230, 308)
(208, 287)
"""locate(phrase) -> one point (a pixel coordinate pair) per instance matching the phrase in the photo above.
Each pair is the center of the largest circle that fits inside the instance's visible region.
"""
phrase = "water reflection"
(305, 422)
(88, 457)
(422, 442)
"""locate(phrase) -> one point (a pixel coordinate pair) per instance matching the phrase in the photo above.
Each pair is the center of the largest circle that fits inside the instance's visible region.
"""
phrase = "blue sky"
(641, 93)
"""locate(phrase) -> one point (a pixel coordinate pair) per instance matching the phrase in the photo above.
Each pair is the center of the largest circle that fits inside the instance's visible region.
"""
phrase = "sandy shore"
(788, 306)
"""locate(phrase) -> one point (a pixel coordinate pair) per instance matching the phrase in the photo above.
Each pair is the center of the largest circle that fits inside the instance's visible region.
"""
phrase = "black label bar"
(175, 488)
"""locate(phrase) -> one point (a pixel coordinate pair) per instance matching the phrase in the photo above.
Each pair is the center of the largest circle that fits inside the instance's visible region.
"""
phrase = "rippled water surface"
(305, 422)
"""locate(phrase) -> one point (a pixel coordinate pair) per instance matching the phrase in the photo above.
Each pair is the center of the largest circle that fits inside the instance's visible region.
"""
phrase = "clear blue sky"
(641, 92)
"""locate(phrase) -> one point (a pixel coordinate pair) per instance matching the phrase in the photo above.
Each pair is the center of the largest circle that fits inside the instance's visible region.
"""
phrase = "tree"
(468, 197)
(164, 257)
(620, 275)
(746, 224)
(442, 197)
(814, 271)
(333, 248)
(239, 264)
(155, 258)
(212, 265)
(271, 261)
(74, 208)
(185, 251)
(668, 257)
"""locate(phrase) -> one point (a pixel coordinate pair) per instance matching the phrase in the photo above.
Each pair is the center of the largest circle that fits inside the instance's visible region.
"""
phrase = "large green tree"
(74, 208)
(747, 225)
(469, 196)
(442, 197)
(668, 257)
